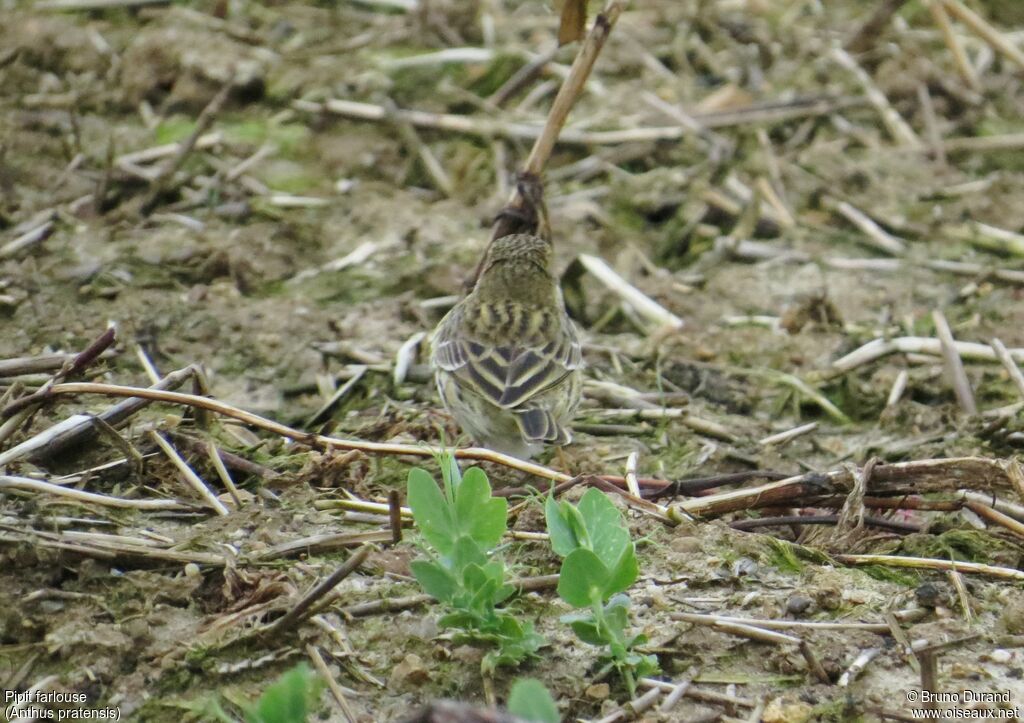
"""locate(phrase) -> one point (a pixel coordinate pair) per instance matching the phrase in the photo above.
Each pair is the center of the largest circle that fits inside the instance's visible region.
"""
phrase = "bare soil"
(231, 270)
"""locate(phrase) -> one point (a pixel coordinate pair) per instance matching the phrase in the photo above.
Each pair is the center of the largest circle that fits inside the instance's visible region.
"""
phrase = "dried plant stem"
(1009, 365)
(572, 87)
(52, 441)
(963, 64)
(189, 474)
(203, 122)
(645, 306)
(33, 485)
(999, 42)
(701, 694)
(857, 666)
(373, 607)
(26, 240)
(954, 364)
(707, 619)
(878, 348)
(222, 472)
(925, 563)
(788, 435)
(961, 592)
(770, 112)
(415, 144)
(325, 673)
(898, 128)
(868, 33)
(879, 237)
(316, 440)
(303, 608)
(926, 475)
(994, 516)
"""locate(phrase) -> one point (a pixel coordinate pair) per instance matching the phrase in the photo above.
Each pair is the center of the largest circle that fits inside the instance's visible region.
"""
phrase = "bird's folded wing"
(508, 376)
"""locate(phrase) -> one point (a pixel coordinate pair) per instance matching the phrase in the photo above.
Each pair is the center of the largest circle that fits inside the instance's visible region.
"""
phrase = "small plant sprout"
(599, 565)
(462, 525)
(531, 701)
(290, 699)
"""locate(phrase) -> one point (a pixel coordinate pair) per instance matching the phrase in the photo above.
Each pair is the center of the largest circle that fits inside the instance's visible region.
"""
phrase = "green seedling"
(462, 525)
(599, 565)
(290, 699)
(531, 701)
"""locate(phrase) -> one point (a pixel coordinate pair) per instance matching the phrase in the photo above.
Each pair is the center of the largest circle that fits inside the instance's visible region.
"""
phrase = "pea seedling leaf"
(586, 630)
(434, 579)
(624, 570)
(531, 701)
(482, 517)
(563, 538)
(583, 578)
(431, 511)
(287, 700)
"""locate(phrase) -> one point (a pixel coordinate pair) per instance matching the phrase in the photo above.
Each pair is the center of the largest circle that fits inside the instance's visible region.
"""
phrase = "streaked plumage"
(507, 357)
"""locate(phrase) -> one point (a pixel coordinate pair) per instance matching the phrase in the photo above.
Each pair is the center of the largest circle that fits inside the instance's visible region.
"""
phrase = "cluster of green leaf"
(462, 526)
(290, 699)
(599, 565)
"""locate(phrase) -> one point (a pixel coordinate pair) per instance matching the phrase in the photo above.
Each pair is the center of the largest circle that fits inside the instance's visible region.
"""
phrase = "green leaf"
(287, 700)
(586, 630)
(482, 517)
(624, 571)
(579, 526)
(646, 665)
(481, 586)
(563, 539)
(460, 619)
(504, 593)
(608, 535)
(434, 579)
(583, 578)
(466, 552)
(531, 701)
(450, 476)
(431, 511)
(616, 616)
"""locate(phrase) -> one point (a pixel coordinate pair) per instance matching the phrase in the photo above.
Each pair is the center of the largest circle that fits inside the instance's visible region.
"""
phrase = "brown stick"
(203, 122)
(879, 522)
(871, 30)
(115, 416)
(298, 612)
(395, 516)
(564, 101)
(314, 440)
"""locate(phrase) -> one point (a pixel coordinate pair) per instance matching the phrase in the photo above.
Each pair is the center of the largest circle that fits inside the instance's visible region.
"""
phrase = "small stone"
(744, 567)
(928, 595)
(798, 604)
(1000, 656)
(599, 691)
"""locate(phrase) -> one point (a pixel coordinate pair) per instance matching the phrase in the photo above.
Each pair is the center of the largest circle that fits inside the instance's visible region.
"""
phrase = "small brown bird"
(507, 357)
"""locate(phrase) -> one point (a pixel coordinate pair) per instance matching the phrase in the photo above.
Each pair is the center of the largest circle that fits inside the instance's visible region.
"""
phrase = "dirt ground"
(297, 248)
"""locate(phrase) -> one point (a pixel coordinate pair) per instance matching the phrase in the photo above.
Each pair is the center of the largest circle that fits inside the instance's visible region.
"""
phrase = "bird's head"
(517, 267)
